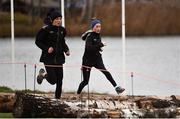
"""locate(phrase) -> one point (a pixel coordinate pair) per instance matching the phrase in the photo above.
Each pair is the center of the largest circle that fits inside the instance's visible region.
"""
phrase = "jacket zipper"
(57, 41)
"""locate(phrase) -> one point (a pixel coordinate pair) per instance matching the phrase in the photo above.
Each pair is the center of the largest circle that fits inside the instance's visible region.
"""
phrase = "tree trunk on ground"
(99, 106)
(6, 102)
(28, 105)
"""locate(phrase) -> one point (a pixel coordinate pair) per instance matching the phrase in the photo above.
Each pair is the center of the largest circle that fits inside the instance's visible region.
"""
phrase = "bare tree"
(39, 7)
(84, 10)
(113, 2)
(67, 3)
(87, 10)
(90, 12)
(32, 12)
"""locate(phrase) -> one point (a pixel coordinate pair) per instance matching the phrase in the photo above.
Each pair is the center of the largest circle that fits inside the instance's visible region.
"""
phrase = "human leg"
(100, 65)
(51, 75)
(86, 75)
(59, 75)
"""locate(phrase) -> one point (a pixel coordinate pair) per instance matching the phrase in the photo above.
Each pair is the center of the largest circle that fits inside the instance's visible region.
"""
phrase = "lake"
(155, 62)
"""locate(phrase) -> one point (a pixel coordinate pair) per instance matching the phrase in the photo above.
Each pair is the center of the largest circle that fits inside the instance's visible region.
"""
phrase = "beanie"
(94, 22)
(55, 14)
(51, 15)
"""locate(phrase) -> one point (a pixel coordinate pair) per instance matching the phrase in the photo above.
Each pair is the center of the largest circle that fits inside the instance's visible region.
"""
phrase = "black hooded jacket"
(92, 48)
(52, 36)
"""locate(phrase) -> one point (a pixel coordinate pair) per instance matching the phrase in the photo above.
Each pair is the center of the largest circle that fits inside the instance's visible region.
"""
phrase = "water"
(155, 62)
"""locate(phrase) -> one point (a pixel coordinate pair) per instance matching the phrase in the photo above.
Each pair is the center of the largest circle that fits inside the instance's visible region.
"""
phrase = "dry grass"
(152, 19)
(155, 17)
(143, 17)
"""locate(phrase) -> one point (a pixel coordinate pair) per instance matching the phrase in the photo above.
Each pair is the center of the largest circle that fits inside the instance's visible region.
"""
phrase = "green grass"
(6, 115)
(5, 89)
(141, 20)
(23, 25)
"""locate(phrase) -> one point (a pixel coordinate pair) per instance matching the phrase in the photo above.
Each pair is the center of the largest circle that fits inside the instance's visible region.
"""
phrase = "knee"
(105, 71)
(84, 83)
(59, 81)
(52, 82)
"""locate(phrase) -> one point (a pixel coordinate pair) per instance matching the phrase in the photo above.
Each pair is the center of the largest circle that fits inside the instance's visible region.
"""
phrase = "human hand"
(50, 50)
(104, 43)
(67, 53)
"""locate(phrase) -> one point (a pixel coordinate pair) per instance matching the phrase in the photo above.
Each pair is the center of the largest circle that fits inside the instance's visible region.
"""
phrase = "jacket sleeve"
(65, 46)
(91, 46)
(40, 37)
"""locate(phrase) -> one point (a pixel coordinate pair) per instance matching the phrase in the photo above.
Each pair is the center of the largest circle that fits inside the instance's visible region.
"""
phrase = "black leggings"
(86, 74)
(55, 76)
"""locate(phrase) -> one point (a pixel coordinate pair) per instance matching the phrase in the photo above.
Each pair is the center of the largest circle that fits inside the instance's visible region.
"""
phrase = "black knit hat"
(55, 14)
(51, 15)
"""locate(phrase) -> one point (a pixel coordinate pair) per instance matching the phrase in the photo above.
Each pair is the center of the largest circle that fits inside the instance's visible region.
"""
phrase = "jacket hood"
(87, 33)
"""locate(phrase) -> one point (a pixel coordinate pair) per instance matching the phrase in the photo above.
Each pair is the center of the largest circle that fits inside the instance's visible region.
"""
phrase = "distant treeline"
(143, 17)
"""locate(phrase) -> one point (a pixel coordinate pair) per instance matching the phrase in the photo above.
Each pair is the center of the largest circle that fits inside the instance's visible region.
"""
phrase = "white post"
(62, 12)
(12, 43)
(123, 44)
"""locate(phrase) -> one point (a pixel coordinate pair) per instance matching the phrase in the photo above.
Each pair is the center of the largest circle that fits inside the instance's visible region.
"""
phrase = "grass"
(23, 26)
(142, 19)
(5, 89)
(6, 115)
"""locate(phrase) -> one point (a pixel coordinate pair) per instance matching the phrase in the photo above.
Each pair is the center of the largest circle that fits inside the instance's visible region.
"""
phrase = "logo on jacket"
(51, 32)
(95, 39)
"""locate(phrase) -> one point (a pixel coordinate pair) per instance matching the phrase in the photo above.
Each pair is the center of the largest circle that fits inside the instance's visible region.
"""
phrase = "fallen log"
(29, 105)
(6, 102)
(98, 106)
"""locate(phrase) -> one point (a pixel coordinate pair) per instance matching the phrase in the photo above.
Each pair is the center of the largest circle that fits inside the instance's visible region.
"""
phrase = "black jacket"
(92, 48)
(52, 36)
